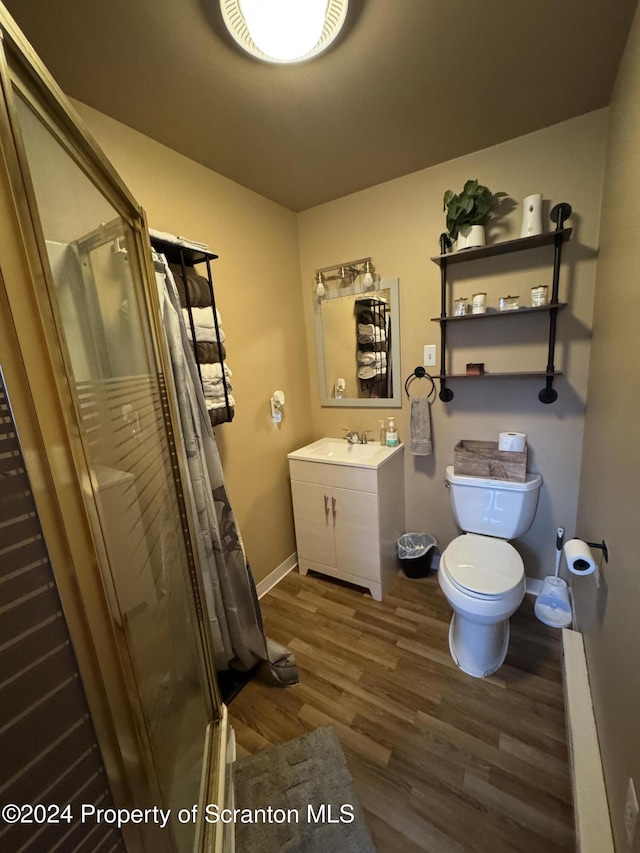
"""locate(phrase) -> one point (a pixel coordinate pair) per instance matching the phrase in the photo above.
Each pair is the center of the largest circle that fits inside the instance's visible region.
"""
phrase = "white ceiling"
(411, 83)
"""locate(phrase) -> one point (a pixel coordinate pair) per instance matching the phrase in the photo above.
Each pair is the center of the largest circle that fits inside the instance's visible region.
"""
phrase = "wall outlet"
(429, 355)
(631, 813)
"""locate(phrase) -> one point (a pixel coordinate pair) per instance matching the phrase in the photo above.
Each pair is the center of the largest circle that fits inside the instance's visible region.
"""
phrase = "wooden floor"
(441, 761)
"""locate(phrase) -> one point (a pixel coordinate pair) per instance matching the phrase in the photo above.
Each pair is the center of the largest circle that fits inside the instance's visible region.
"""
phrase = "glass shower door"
(129, 466)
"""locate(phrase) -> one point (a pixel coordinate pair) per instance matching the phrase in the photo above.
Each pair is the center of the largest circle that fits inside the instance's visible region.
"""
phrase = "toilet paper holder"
(602, 547)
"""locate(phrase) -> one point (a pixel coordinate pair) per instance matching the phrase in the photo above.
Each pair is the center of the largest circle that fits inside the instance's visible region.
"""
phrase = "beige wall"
(608, 506)
(399, 223)
(257, 282)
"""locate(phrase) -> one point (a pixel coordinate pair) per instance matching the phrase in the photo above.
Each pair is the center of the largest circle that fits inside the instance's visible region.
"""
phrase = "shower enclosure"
(93, 400)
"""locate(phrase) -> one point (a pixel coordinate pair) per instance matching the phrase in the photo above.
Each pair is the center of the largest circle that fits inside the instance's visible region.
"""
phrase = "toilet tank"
(497, 508)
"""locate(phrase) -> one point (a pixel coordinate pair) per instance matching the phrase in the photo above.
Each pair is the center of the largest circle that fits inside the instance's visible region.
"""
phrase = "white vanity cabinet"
(349, 515)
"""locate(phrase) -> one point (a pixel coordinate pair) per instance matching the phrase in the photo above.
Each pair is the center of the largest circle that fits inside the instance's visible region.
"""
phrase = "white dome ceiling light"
(284, 30)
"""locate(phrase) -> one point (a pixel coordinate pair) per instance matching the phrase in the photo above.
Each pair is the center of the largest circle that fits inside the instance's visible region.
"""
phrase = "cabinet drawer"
(341, 476)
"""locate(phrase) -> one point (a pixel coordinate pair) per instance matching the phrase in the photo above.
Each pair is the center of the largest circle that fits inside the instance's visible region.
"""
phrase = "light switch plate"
(429, 355)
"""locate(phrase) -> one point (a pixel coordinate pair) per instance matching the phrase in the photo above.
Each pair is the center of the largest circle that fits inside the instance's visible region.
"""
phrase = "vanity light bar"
(351, 266)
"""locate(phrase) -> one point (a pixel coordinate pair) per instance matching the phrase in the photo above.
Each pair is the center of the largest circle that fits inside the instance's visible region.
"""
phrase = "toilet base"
(478, 650)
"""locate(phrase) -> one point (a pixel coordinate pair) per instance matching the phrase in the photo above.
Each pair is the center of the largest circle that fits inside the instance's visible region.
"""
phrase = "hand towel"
(421, 443)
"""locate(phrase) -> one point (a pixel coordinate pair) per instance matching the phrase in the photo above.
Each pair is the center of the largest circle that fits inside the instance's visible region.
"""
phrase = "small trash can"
(415, 552)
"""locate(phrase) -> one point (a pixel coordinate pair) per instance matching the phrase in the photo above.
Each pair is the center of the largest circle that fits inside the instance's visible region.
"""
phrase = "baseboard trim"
(274, 577)
(590, 805)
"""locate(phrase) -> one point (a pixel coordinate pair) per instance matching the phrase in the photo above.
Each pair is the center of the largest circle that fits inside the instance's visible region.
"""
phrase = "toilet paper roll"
(579, 557)
(512, 441)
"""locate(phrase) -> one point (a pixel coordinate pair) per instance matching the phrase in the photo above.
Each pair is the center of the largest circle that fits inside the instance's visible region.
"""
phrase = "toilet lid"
(483, 565)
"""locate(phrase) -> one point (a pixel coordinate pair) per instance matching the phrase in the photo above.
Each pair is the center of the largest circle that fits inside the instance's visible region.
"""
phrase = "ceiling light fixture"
(284, 30)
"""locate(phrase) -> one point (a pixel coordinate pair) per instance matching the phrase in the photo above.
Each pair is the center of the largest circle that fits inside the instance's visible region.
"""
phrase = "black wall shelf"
(518, 374)
(504, 248)
(559, 213)
(490, 315)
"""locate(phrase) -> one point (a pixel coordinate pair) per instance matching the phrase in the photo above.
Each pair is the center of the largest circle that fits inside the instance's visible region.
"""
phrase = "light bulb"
(321, 290)
(368, 281)
(285, 30)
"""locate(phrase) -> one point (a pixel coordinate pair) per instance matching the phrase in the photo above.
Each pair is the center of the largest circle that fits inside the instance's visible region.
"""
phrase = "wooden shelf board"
(520, 374)
(506, 247)
(491, 314)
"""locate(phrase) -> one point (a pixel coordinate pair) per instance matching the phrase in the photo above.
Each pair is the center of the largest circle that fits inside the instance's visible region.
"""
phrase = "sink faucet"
(351, 436)
(363, 436)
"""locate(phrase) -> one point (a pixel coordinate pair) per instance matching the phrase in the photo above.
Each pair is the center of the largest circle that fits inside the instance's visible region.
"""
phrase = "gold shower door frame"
(36, 364)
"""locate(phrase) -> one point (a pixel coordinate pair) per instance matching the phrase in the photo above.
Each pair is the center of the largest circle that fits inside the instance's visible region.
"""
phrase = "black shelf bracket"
(446, 394)
(558, 214)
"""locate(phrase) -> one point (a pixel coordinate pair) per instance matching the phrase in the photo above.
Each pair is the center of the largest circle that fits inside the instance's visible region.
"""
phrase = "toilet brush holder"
(553, 606)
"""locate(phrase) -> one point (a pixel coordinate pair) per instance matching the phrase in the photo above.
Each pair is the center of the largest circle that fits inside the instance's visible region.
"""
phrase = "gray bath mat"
(300, 799)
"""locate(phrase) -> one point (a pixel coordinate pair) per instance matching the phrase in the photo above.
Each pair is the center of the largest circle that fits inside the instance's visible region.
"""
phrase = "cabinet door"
(314, 522)
(357, 540)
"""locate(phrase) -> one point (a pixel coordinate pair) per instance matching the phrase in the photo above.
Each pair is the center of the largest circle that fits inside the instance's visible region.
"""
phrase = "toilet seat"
(482, 566)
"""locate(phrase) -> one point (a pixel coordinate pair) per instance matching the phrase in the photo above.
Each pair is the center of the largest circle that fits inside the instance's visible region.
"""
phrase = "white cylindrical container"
(462, 307)
(532, 215)
(539, 296)
(479, 303)
(512, 441)
(579, 557)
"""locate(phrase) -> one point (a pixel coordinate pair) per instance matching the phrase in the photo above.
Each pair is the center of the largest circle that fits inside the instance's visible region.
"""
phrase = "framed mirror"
(358, 346)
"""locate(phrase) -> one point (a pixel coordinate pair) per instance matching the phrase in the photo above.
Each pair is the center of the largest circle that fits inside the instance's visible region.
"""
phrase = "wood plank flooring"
(441, 761)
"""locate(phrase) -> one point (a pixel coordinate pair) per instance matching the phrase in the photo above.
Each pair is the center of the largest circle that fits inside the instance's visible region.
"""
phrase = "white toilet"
(481, 575)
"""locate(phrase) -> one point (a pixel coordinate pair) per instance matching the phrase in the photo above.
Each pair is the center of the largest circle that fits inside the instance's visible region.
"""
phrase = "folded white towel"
(369, 371)
(219, 404)
(177, 241)
(369, 334)
(376, 358)
(206, 335)
(213, 372)
(195, 243)
(370, 329)
(201, 317)
(215, 386)
(421, 443)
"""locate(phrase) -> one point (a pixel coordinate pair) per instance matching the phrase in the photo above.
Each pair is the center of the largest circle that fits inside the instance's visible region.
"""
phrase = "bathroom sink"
(339, 452)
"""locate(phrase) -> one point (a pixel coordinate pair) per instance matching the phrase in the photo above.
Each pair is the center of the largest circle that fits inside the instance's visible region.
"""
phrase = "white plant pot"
(470, 236)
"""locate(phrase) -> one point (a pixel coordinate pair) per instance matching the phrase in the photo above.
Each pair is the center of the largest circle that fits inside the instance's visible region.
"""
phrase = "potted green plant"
(468, 212)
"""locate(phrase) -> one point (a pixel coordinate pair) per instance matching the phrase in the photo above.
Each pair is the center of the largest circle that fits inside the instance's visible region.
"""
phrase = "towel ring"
(420, 373)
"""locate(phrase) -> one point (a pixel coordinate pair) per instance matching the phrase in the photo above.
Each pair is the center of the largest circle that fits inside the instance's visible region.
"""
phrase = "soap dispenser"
(392, 433)
(383, 433)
